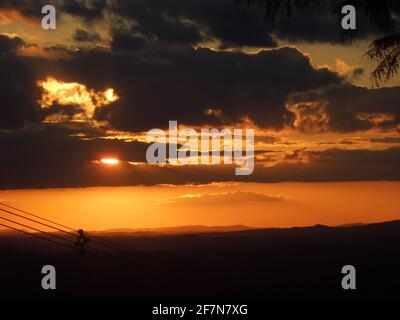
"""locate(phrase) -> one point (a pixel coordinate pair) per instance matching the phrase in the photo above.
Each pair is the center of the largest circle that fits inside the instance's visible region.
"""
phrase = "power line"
(51, 240)
(97, 252)
(36, 235)
(46, 225)
(35, 221)
(38, 230)
(36, 216)
(95, 239)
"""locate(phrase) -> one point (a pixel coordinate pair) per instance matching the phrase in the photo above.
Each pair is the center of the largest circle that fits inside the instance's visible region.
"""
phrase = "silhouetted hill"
(293, 263)
(172, 230)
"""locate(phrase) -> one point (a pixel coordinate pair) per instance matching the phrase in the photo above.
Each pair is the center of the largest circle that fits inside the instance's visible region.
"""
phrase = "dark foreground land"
(297, 263)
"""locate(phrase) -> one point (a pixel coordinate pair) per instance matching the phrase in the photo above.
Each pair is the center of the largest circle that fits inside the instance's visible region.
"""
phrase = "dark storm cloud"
(317, 24)
(234, 23)
(160, 77)
(9, 45)
(127, 42)
(191, 21)
(336, 165)
(180, 85)
(89, 10)
(18, 92)
(157, 86)
(30, 9)
(63, 110)
(51, 159)
(85, 36)
(352, 108)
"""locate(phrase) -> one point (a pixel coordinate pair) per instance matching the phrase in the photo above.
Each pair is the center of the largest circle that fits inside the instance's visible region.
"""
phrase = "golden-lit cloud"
(13, 16)
(310, 117)
(9, 35)
(37, 51)
(222, 198)
(376, 118)
(342, 67)
(75, 94)
(213, 112)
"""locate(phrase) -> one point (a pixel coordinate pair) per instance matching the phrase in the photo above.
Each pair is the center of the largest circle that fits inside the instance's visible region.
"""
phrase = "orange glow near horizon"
(110, 161)
(219, 204)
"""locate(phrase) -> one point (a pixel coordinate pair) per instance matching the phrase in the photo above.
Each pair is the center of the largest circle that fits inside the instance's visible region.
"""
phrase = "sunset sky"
(76, 104)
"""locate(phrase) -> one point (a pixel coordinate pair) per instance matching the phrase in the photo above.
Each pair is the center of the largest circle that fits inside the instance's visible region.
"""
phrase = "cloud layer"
(131, 66)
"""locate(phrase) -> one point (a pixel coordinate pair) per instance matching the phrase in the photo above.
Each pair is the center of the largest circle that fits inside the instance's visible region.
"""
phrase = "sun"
(110, 161)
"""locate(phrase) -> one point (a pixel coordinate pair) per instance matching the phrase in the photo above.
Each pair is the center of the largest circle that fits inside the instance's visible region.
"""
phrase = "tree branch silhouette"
(385, 51)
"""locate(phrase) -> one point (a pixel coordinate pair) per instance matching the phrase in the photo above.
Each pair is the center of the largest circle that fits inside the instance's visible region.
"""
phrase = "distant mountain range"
(242, 230)
(174, 230)
(235, 262)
